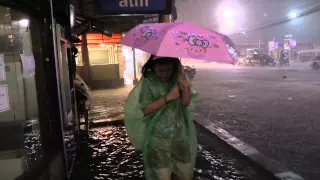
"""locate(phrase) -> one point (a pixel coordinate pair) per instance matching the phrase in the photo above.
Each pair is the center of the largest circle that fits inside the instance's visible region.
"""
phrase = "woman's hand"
(186, 93)
(173, 94)
(184, 83)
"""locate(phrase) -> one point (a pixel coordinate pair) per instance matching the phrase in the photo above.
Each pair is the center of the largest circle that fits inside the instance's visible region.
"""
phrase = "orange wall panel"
(93, 38)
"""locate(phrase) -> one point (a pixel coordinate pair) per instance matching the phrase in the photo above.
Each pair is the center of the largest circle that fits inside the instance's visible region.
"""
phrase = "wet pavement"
(108, 104)
(107, 154)
(33, 150)
(275, 114)
(278, 116)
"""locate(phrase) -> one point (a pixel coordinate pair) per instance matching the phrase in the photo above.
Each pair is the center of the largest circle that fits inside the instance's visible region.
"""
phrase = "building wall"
(21, 149)
(52, 172)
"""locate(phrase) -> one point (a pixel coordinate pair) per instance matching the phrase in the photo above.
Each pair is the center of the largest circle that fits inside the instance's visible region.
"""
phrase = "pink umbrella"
(184, 40)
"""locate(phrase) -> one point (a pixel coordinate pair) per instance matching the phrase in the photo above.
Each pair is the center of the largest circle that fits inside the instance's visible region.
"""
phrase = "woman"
(158, 121)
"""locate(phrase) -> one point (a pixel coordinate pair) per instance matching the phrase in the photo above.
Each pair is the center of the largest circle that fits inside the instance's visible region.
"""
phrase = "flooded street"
(108, 104)
(278, 116)
(108, 154)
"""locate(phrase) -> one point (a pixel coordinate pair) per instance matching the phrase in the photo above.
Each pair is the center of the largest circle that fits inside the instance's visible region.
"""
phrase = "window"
(19, 124)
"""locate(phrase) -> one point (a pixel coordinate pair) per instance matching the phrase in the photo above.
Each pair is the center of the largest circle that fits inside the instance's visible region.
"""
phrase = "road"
(277, 115)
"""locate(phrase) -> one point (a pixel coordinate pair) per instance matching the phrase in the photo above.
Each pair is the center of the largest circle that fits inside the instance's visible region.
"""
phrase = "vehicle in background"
(190, 72)
(240, 60)
(307, 55)
(315, 62)
(257, 56)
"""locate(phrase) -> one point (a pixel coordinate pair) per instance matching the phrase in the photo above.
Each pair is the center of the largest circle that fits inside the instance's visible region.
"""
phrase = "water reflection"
(33, 150)
(107, 154)
(70, 145)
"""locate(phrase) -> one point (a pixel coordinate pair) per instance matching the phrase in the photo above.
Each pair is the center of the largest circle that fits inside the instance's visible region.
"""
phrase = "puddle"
(107, 154)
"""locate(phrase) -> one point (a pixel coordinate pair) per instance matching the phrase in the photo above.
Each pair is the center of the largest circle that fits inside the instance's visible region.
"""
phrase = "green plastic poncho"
(166, 138)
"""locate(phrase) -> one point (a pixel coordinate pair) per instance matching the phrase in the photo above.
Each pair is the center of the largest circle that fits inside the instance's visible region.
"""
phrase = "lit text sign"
(134, 6)
(72, 16)
(288, 36)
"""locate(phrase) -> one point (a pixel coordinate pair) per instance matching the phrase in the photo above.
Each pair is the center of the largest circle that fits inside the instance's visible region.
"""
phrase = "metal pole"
(135, 80)
(164, 18)
(85, 51)
(54, 36)
(259, 43)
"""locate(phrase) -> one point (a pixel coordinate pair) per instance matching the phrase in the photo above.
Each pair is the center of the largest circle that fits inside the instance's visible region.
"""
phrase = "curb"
(253, 155)
(103, 122)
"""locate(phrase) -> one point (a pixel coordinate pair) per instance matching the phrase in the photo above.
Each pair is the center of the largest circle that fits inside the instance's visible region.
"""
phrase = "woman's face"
(164, 71)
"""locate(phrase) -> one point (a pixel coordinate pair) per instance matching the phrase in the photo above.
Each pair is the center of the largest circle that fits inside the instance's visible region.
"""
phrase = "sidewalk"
(107, 153)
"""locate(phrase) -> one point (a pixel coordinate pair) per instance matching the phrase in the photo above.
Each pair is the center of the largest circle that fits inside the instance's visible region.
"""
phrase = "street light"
(24, 23)
(228, 13)
(230, 16)
(292, 14)
(231, 23)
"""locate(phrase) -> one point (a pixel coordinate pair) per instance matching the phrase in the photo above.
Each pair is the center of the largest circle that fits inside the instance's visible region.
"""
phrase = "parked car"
(240, 60)
(190, 71)
(315, 62)
(307, 55)
(258, 56)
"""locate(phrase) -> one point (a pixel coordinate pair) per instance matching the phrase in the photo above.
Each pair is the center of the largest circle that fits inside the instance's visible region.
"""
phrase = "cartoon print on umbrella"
(231, 47)
(198, 45)
(145, 33)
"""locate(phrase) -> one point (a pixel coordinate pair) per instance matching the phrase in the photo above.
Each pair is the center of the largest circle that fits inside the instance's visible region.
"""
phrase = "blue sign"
(134, 6)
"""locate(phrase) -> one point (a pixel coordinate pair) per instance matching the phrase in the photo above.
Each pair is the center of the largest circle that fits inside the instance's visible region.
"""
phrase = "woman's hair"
(150, 64)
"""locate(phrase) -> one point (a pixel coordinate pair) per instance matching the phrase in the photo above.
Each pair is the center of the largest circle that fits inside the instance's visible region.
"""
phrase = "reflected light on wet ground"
(108, 154)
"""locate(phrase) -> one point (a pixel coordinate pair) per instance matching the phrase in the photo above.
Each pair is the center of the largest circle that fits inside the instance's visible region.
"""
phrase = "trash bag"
(167, 138)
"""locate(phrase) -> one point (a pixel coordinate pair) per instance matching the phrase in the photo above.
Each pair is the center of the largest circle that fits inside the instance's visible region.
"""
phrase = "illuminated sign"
(72, 16)
(273, 45)
(290, 44)
(134, 6)
(288, 36)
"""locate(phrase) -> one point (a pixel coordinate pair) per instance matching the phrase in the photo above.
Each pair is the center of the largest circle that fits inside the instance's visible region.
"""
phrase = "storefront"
(107, 63)
(105, 60)
(37, 114)
(134, 60)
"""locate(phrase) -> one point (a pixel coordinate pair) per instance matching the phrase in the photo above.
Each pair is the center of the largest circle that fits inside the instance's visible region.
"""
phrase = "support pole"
(85, 52)
(135, 80)
(85, 59)
(164, 18)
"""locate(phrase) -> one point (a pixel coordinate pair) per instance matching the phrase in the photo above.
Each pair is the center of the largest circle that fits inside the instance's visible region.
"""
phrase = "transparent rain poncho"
(167, 138)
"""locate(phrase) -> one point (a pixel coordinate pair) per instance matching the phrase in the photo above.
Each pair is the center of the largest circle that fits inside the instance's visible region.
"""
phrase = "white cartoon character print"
(197, 46)
(146, 34)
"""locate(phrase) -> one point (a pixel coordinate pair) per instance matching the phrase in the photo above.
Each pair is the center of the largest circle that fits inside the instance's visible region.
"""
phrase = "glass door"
(19, 121)
(68, 111)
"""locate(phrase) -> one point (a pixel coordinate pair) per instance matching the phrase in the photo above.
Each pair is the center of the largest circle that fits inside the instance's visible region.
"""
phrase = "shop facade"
(104, 63)
(105, 60)
(37, 105)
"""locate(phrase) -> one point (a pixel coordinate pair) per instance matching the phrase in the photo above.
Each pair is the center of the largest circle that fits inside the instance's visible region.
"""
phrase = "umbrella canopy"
(180, 39)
